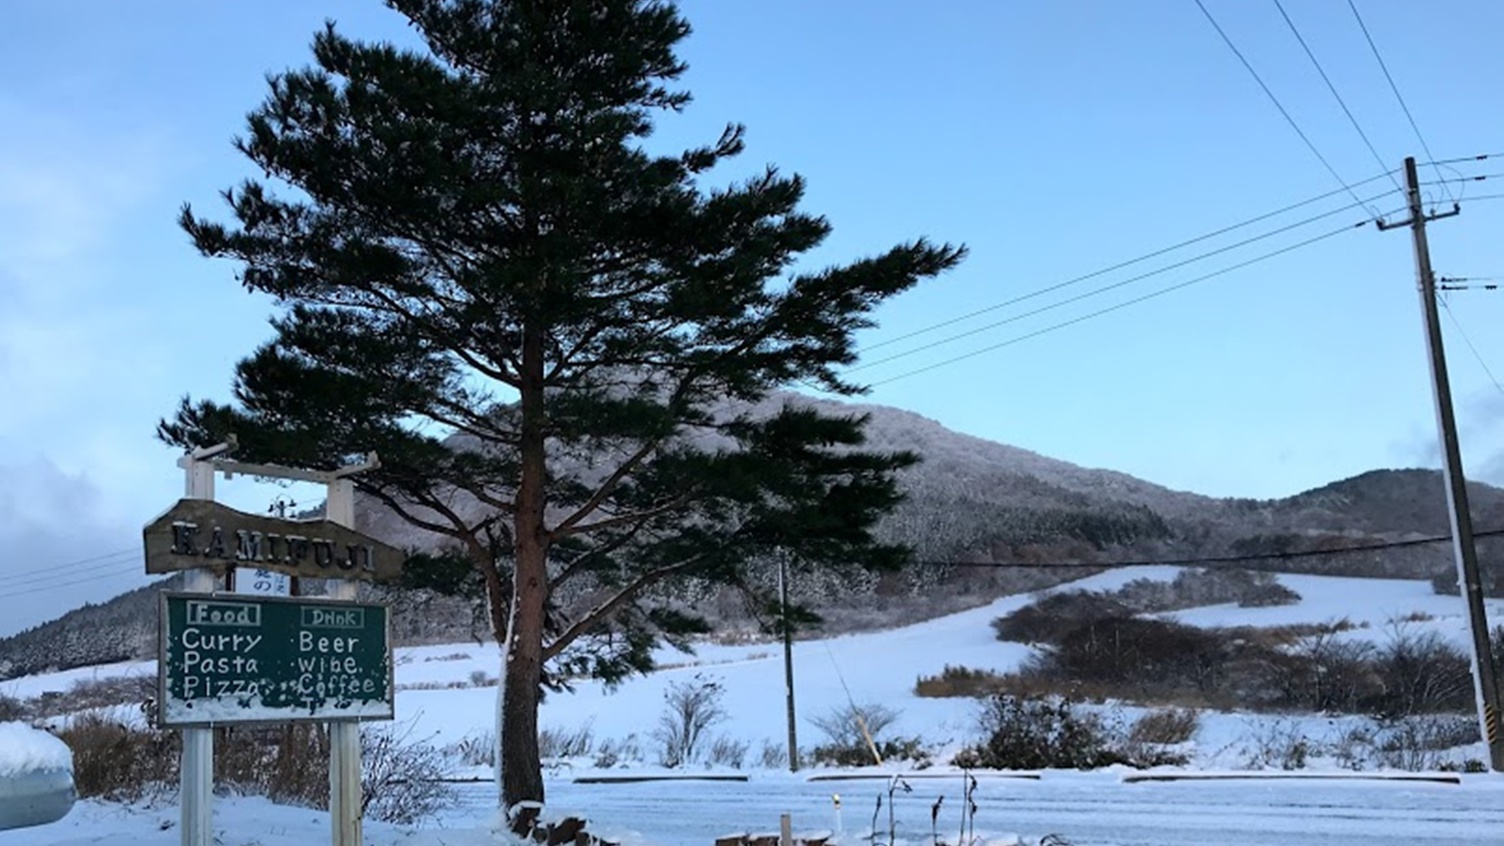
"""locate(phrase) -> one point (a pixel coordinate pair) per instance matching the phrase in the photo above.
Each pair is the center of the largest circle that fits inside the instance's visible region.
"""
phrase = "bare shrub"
(1277, 744)
(848, 730)
(480, 678)
(1146, 659)
(727, 751)
(773, 756)
(1040, 733)
(1420, 742)
(1166, 726)
(1329, 674)
(1421, 673)
(401, 779)
(117, 762)
(103, 693)
(1212, 586)
(241, 758)
(1414, 617)
(477, 749)
(11, 709)
(299, 772)
(959, 681)
(566, 743)
(1051, 617)
(692, 708)
(1353, 750)
(852, 724)
(612, 751)
(1414, 743)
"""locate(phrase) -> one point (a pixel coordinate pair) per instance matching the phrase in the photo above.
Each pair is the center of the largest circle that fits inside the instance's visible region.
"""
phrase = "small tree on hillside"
(553, 338)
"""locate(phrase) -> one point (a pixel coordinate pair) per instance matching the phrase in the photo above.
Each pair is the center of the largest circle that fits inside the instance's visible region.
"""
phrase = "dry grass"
(955, 681)
(1166, 726)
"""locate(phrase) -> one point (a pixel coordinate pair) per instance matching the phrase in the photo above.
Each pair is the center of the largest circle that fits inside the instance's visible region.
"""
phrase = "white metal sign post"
(344, 735)
(197, 775)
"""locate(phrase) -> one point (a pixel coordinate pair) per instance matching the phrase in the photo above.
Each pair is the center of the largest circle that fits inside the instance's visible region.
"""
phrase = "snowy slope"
(438, 697)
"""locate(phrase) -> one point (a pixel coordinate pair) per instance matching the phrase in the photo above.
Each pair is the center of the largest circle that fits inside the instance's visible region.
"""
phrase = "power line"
(1469, 341)
(1477, 158)
(1204, 561)
(1333, 88)
(1096, 291)
(45, 588)
(116, 554)
(1160, 252)
(1273, 99)
(1395, 88)
(129, 558)
(1125, 304)
(1121, 265)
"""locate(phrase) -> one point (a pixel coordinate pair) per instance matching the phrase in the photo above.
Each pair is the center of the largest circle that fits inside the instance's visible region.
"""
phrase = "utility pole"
(1464, 549)
(788, 656)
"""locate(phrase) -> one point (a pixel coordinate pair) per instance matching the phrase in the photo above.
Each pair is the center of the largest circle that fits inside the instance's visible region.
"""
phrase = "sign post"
(196, 775)
(344, 736)
(216, 660)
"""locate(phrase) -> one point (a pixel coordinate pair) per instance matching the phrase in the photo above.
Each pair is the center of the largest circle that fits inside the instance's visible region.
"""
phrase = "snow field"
(438, 698)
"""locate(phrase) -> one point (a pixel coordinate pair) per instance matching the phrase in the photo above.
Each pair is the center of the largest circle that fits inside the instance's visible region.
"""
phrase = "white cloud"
(59, 545)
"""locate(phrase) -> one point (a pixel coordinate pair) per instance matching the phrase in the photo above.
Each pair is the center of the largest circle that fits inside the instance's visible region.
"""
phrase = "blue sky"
(1053, 138)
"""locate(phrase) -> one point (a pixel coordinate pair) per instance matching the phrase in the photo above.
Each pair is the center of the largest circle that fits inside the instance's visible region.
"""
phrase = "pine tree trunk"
(522, 674)
(521, 765)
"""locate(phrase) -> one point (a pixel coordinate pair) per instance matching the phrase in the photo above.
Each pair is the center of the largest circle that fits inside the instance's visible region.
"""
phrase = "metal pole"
(196, 776)
(344, 735)
(1463, 547)
(788, 657)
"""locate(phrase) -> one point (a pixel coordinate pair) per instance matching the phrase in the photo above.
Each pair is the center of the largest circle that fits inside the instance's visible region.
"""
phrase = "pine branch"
(582, 562)
(622, 471)
(594, 616)
(632, 518)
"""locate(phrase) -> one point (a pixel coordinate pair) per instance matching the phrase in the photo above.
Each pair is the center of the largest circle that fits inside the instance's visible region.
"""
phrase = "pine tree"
(553, 339)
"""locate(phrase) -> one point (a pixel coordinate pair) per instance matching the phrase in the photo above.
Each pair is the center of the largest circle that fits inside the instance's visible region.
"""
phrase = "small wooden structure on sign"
(203, 534)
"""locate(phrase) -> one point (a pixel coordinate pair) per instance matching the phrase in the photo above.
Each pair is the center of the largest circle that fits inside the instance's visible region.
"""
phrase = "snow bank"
(25, 749)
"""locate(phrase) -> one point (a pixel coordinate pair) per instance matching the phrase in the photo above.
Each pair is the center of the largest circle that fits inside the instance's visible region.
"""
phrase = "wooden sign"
(229, 659)
(202, 534)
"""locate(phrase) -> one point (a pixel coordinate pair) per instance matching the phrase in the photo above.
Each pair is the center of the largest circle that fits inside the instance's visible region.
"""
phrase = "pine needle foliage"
(552, 337)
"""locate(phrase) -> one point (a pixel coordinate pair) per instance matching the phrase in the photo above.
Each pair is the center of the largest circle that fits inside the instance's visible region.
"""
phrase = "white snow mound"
(25, 749)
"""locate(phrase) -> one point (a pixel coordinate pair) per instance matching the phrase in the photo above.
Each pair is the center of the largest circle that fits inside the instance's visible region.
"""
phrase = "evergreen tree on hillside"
(546, 331)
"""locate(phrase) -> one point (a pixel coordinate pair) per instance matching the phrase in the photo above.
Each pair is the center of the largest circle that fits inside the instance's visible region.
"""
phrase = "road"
(1092, 809)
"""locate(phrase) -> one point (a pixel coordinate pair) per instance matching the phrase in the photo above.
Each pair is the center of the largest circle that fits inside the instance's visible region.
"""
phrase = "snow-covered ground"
(1089, 809)
(438, 699)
